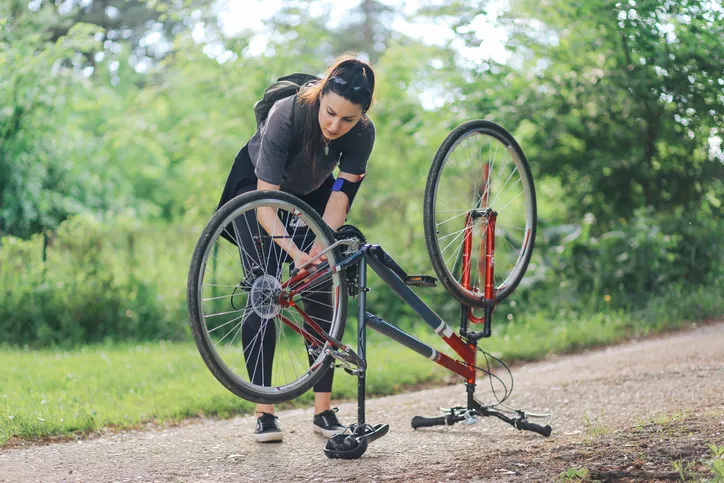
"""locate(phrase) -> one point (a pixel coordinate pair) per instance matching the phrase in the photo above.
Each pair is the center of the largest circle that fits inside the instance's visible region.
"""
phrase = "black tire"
(212, 235)
(527, 208)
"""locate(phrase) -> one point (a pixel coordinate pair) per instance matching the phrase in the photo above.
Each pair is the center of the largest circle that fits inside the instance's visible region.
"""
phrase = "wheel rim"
(242, 308)
(483, 170)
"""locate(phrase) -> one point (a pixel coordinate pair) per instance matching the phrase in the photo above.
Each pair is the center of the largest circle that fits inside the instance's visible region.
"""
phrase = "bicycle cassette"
(349, 232)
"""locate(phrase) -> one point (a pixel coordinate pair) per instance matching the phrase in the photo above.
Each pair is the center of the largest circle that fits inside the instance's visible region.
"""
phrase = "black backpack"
(285, 86)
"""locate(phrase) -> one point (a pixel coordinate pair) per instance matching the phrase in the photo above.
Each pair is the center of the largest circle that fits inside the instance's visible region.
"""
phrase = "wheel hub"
(264, 297)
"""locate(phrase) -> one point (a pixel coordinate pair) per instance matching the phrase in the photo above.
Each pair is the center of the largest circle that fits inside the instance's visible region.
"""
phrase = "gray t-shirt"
(269, 150)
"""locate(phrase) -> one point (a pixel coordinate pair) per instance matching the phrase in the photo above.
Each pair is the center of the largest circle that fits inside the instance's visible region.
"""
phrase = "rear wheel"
(479, 166)
(258, 331)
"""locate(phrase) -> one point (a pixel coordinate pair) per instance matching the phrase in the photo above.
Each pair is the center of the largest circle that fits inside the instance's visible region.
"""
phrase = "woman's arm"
(268, 219)
(338, 205)
(336, 210)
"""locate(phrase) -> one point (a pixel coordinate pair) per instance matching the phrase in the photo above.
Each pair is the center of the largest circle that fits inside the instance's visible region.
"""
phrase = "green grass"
(574, 474)
(47, 392)
(54, 392)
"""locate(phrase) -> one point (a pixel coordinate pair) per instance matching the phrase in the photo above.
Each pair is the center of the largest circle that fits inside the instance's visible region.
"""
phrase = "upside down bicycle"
(480, 226)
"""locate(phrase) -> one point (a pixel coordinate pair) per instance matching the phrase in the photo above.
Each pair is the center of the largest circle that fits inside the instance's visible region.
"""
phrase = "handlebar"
(422, 422)
(528, 426)
(520, 423)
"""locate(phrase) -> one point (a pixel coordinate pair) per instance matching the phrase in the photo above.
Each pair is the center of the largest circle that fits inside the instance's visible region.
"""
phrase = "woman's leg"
(258, 333)
(258, 336)
(319, 305)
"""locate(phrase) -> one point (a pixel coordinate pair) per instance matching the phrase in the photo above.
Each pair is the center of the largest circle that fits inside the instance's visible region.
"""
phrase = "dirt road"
(626, 412)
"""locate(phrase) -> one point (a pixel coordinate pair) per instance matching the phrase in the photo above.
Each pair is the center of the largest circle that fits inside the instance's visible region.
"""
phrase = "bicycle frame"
(464, 345)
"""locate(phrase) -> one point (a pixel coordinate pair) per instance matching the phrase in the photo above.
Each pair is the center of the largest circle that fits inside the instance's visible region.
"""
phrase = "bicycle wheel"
(478, 166)
(259, 330)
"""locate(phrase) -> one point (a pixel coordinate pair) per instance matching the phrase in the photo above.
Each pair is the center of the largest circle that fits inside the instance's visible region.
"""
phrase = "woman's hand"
(300, 258)
(316, 248)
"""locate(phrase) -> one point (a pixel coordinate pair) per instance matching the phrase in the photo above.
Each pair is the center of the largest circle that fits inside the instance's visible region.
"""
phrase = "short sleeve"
(277, 133)
(358, 150)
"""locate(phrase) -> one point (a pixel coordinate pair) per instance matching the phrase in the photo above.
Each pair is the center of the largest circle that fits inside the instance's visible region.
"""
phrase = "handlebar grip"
(421, 422)
(536, 428)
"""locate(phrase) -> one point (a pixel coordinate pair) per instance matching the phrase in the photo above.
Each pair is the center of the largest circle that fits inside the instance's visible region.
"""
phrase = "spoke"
(454, 257)
(291, 312)
(271, 242)
(217, 259)
(217, 298)
(226, 323)
(319, 303)
(258, 258)
(450, 219)
(493, 157)
(502, 189)
(260, 354)
(454, 196)
(505, 239)
(510, 227)
(223, 313)
(242, 251)
(227, 334)
(453, 241)
(509, 202)
(450, 234)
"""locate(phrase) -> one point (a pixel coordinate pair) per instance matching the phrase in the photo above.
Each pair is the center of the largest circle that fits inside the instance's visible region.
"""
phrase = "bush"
(644, 256)
(95, 280)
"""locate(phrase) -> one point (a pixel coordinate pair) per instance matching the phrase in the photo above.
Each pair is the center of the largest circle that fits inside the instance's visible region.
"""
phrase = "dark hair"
(348, 77)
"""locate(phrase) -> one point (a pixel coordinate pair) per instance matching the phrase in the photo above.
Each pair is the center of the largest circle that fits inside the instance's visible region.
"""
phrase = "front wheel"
(261, 332)
(479, 166)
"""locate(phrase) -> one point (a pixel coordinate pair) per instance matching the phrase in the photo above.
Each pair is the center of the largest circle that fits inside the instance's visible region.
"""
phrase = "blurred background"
(120, 119)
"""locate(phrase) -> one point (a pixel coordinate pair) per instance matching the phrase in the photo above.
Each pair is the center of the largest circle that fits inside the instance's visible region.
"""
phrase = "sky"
(237, 15)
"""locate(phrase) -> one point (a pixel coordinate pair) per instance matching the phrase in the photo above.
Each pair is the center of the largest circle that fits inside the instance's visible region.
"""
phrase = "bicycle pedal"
(421, 281)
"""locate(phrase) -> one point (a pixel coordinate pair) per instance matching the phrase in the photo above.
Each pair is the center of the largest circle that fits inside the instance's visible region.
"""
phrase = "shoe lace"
(330, 418)
(267, 420)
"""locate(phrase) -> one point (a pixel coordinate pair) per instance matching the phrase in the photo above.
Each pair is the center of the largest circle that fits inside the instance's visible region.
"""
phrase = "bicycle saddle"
(345, 446)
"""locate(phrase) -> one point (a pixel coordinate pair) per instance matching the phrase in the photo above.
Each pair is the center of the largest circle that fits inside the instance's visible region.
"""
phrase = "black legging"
(258, 335)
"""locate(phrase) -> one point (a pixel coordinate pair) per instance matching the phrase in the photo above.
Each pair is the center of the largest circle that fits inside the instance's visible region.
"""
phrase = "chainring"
(350, 232)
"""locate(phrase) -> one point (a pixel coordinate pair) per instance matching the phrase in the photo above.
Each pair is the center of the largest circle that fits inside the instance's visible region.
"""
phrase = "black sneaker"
(267, 429)
(327, 423)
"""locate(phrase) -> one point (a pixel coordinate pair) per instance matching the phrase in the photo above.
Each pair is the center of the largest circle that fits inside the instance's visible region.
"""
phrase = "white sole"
(327, 433)
(268, 437)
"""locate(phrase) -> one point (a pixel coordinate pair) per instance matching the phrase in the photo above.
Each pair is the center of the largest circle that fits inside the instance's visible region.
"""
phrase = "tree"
(367, 28)
(622, 102)
(147, 26)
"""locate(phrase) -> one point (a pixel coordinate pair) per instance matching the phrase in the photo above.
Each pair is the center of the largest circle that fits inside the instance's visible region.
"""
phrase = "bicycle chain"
(350, 232)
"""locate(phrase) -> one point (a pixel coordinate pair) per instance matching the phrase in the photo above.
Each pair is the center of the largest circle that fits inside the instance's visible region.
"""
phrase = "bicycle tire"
(234, 380)
(527, 209)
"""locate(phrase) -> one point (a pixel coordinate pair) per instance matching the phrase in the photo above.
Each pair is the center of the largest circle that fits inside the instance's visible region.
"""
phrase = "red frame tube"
(467, 249)
(490, 256)
(456, 366)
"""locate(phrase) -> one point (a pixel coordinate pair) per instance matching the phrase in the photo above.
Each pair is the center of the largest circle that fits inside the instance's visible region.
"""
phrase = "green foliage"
(103, 280)
(645, 255)
(618, 115)
(715, 463)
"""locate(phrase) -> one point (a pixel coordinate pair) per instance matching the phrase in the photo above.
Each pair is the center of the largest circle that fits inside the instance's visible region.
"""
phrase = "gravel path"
(624, 413)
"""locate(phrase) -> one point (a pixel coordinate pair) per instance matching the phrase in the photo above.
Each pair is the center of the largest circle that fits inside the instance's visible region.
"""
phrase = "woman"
(296, 149)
